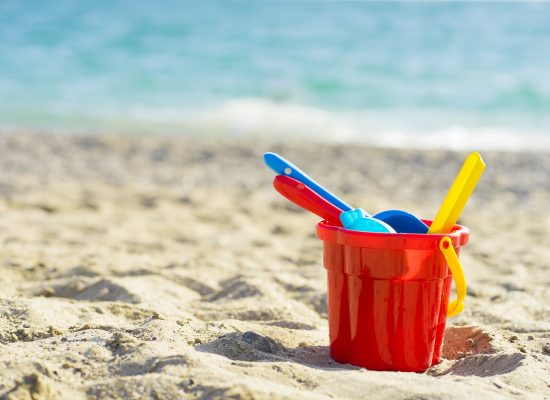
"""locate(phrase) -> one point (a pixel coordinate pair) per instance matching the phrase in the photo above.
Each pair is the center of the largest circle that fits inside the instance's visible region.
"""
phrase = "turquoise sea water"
(455, 74)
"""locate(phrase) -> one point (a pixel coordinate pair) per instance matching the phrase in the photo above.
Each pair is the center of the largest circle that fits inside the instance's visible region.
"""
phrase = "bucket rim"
(376, 240)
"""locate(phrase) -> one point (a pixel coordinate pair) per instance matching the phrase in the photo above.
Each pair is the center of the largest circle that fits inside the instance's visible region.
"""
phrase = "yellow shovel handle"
(459, 193)
(455, 307)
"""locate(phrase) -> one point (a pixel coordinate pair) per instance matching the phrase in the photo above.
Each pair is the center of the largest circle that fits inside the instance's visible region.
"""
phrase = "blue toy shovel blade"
(358, 220)
(402, 221)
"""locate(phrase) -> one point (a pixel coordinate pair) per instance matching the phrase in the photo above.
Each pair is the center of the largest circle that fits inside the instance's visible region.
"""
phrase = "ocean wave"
(265, 118)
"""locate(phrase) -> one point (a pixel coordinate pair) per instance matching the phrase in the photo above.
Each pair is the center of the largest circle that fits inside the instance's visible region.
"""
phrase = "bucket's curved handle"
(455, 307)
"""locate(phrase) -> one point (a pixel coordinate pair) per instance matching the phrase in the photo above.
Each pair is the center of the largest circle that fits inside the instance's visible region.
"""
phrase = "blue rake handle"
(284, 167)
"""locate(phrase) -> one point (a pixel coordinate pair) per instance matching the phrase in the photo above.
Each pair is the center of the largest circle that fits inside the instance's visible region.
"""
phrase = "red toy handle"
(306, 198)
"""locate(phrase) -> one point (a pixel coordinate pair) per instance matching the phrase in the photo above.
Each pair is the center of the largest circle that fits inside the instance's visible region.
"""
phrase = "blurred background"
(451, 75)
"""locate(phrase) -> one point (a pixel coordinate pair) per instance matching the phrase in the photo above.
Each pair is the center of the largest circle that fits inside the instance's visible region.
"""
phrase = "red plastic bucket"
(387, 296)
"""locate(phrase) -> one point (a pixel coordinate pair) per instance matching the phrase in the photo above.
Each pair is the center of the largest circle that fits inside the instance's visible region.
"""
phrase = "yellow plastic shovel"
(458, 195)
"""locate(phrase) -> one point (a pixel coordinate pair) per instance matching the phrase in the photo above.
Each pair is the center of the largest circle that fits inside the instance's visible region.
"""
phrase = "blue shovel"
(400, 221)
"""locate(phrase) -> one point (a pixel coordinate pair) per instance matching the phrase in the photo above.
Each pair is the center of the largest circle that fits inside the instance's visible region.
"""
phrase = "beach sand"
(163, 267)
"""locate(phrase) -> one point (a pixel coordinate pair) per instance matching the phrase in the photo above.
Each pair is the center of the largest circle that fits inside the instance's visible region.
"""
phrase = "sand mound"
(462, 341)
(248, 346)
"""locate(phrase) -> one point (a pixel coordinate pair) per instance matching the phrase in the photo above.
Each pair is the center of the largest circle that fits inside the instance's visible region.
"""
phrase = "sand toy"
(458, 195)
(388, 293)
(306, 198)
(399, 220)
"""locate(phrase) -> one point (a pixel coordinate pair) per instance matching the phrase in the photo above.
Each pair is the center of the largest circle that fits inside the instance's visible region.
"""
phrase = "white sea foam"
(260, 117)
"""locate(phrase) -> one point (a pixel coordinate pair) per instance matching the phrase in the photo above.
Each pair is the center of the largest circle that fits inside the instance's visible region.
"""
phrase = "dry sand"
(163, 268)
